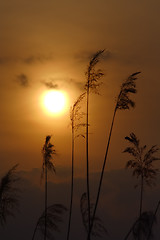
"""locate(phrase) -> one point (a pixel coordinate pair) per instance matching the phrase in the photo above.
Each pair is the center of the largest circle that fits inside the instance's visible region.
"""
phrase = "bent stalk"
(123, 103)
(102, 173)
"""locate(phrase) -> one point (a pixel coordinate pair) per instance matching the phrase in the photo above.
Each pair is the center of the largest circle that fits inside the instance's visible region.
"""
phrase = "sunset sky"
(47, 45)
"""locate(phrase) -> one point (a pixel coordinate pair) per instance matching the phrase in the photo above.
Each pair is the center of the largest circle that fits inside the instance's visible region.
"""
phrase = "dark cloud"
(2, 60)
(50, 84)
(22, 80)
(119, 200)
(5, 60)
(31, 59)
(58, 83)
(37, 58)
(77, 84)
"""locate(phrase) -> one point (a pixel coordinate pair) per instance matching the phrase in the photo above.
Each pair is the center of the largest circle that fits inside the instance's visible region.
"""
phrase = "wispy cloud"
(4, 60)
(62, 83)
(50, 84)
(77, 84)
(39, 58)
(29, 60)
(23, 80)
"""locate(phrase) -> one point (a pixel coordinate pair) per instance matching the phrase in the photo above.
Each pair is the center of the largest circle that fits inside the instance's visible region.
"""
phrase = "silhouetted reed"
(54, 217)
(98, 229)
(93, 77)
(75, 116)
(123, 102)
(48, 151)
(153, 220)
(142, 164)
(8, 195)
(141, 228)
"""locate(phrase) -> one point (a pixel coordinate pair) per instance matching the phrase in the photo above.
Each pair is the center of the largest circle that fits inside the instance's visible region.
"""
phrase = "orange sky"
(51, 41)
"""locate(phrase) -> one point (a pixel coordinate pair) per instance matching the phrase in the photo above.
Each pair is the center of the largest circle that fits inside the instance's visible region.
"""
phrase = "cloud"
(62, 83)
(40, 58)
(3, 60)
(29, 60)
(118, 200)
(22, 80)
(77, 84)
(50, 84)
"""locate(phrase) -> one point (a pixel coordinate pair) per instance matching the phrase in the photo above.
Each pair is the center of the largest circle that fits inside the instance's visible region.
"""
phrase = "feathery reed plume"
(142, 164)
(8, 195)
(123, 102)
(98, 229)
(47, 151)
(54, 217)
(93, 77)
(75, 115)
(141, 228)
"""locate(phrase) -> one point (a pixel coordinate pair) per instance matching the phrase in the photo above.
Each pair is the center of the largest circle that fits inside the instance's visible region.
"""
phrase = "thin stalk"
(72, 185)
(34, 233)
(155, 213)
(129, 232)
(87, 160)
(102, 172)
(47, 152)
(45, 229)
(141, 197)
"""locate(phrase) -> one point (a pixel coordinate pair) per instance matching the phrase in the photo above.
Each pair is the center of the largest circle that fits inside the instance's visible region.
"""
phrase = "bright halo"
(54, 102)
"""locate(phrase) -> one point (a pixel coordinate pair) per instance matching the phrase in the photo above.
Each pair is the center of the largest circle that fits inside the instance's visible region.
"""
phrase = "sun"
(54, 102)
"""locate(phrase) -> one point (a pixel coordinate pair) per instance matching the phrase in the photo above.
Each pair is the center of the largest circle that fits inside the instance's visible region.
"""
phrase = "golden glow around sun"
(54, 101)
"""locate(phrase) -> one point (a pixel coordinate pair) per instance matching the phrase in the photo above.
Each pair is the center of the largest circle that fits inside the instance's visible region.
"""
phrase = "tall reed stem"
(102, 173)
(72, 177)
(34, 233)
(87, 161)
(141, 197)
